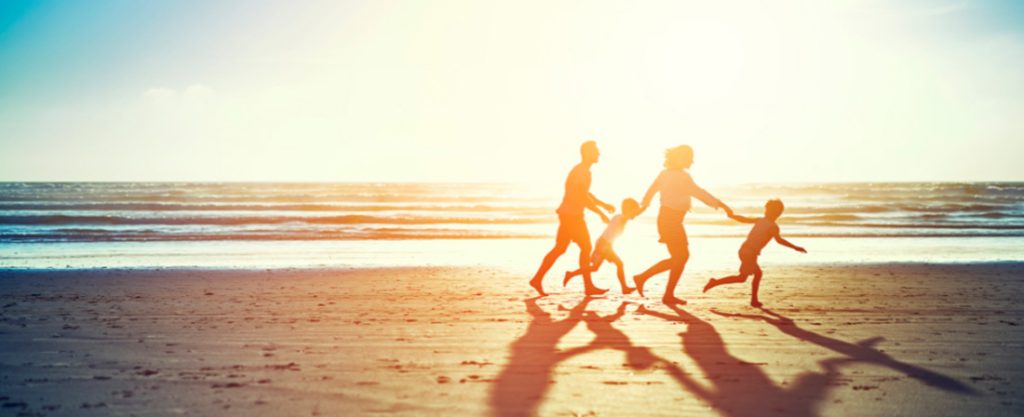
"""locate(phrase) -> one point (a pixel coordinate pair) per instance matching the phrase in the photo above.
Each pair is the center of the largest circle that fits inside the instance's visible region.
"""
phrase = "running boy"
(603, 248)
(764, 230)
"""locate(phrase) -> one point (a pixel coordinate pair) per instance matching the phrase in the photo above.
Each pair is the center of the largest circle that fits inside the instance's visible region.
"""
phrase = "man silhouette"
(572, 227)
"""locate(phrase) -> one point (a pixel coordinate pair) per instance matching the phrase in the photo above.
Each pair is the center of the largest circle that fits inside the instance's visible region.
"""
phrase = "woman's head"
(679, 157)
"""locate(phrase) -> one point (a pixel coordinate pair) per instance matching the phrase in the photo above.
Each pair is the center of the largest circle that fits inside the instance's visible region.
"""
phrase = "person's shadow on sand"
(740, 388)
(737, 388)
(861, 352)
(522, 384)
(607, 336)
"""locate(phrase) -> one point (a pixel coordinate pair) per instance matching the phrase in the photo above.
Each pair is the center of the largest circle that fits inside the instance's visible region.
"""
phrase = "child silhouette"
(603, 249)
(764, 230)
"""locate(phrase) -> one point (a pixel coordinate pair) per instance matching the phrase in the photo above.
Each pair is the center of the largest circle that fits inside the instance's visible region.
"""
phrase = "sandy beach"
(937, 340)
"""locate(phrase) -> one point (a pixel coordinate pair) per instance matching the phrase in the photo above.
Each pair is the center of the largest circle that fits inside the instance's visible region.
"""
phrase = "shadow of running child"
(739, 388)
(863, 351)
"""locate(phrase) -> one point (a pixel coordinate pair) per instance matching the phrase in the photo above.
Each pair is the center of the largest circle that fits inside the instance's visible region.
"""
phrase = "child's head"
(773, 209)
(630, 208)
(679, 157)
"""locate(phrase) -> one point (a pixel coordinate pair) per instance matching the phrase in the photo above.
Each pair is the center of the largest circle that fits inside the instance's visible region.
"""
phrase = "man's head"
(589, 152)
(773, 209)
(679, 157)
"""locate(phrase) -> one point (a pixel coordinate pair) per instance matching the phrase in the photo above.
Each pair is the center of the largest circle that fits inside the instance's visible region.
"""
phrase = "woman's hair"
(678, 157)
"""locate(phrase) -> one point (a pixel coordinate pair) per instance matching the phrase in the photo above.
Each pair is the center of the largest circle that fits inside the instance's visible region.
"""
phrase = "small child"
(764, 230)
(603, 248)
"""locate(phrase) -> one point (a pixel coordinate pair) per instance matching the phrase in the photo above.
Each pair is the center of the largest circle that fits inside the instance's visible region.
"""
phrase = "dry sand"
(881, 340)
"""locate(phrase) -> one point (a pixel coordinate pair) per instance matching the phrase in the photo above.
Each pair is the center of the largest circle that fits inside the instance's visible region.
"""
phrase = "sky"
(506, 91)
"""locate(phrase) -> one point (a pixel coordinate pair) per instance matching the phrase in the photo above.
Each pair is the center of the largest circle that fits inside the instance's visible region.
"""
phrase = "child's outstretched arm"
(788, 244)
(737, 217)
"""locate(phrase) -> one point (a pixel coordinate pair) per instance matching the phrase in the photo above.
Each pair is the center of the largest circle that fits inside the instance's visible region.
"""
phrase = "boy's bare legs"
(626, 289)
(595, 264)
(585, 267)
(620, 271)
(734, 279)
(753, 291)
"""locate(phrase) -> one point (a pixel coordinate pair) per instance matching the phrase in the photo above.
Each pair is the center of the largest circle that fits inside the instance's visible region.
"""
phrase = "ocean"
(257, 225)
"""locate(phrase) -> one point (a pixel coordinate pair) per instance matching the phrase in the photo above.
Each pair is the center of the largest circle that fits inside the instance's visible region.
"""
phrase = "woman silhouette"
(676, 187)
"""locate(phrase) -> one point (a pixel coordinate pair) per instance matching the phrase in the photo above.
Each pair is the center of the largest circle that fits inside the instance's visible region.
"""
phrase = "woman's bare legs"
(639, 280)
(680, 254)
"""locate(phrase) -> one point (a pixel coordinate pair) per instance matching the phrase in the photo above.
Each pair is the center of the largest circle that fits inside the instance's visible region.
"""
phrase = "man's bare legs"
(561, 244)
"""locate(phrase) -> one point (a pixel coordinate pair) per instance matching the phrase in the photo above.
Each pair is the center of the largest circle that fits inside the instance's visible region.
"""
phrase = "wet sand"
(913, 340)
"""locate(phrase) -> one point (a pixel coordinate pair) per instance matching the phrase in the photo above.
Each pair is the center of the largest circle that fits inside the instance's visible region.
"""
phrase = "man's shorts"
(573, 228)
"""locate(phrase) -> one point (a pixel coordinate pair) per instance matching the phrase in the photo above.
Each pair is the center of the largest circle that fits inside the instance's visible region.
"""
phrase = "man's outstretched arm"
(610, 208)
(592, 206)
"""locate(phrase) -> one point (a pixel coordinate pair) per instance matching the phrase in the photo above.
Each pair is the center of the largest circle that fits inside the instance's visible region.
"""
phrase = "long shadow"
(523, 383)
(738, 388)
(863, 351)
(608, 337)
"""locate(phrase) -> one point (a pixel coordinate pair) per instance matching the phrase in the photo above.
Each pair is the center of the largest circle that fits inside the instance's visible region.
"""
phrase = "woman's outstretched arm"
(704, 196)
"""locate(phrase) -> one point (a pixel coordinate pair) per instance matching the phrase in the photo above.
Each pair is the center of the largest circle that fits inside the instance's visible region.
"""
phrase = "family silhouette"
(676, 188)
(730, 385)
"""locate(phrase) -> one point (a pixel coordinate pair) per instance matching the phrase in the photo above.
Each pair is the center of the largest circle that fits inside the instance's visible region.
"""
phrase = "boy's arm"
(610, 208)
(739, 218)
(788, 244)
